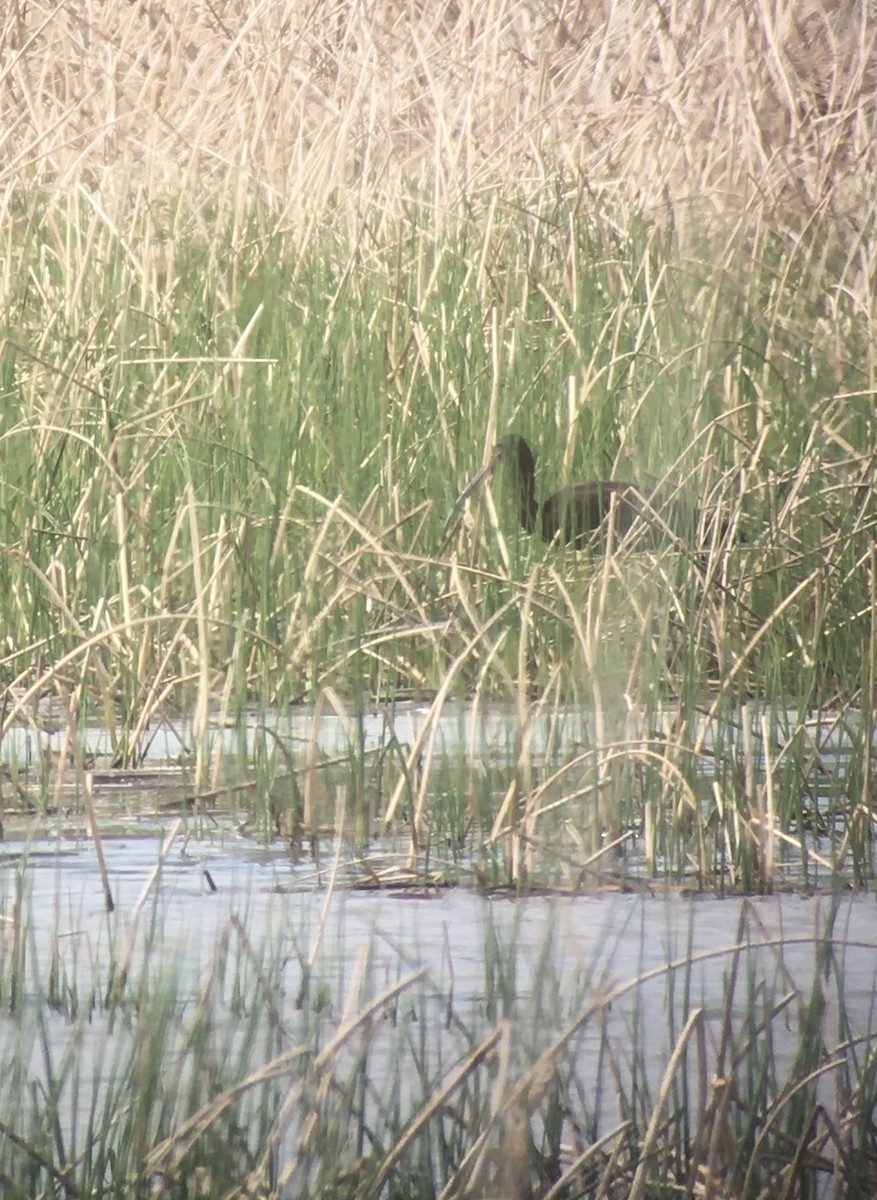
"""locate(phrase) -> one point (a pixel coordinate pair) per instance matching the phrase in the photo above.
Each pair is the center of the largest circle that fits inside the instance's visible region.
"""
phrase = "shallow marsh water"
(582, 943)
(214, 908)
(457, 762)
(532, 966)
(53, 865)
(452, 728)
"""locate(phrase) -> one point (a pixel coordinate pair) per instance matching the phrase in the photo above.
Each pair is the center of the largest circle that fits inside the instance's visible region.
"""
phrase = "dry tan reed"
(751, 112)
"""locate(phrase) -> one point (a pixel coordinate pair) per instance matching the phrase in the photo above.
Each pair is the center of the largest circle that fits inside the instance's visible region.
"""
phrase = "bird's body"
(575, 513)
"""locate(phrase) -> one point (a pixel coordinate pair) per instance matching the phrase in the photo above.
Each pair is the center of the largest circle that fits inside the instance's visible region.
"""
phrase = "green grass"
(176, 520)
(196, 530)
(272, 284)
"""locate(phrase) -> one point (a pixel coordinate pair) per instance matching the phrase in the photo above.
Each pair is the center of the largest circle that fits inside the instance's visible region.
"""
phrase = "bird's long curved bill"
(473, 484)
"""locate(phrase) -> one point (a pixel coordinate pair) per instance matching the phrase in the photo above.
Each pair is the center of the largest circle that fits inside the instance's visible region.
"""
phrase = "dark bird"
(575, 513)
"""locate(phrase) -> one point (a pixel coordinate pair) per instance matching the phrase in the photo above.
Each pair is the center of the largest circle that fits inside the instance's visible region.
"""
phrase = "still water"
(183, 904)
(585, 941)
(536, 962)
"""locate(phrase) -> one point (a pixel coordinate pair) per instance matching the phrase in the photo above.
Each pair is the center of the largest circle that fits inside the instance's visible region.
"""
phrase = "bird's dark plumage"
(574, 513)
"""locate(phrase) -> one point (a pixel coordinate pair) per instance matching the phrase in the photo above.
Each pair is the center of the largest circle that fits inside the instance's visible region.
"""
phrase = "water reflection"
(266, 946)
(455, 728)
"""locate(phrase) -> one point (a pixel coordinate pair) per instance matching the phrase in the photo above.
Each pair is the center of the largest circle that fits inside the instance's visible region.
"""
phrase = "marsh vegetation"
(276, 279)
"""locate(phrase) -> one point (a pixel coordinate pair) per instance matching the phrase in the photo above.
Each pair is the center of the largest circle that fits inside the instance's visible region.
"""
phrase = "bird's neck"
(529, 505)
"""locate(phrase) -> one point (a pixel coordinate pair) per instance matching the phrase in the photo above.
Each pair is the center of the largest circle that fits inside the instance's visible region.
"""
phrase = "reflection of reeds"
(585, 1083)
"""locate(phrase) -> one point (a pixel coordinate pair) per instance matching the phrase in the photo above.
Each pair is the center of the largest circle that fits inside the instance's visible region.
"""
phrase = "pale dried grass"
(760, 112)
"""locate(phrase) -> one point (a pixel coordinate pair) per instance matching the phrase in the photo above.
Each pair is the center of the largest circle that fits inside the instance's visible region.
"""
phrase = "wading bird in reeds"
(575, 513)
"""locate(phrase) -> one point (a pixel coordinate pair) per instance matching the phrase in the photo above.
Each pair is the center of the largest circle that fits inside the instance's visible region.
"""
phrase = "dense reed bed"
(275, 279)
